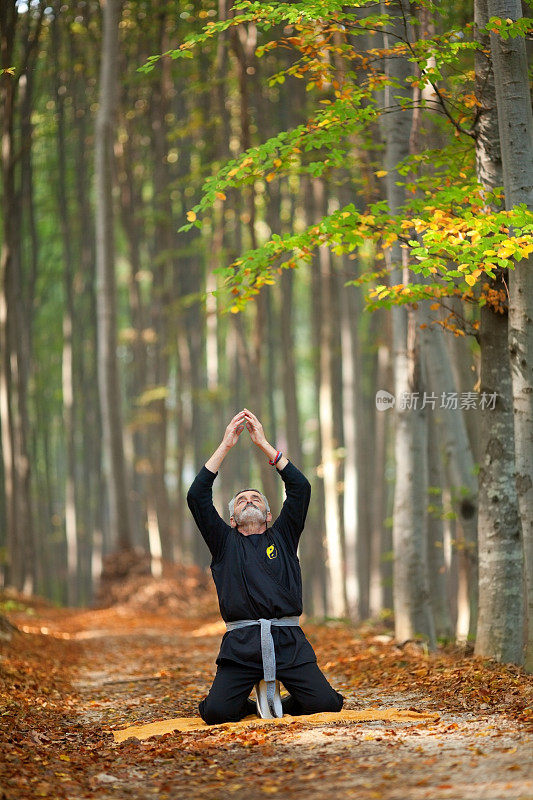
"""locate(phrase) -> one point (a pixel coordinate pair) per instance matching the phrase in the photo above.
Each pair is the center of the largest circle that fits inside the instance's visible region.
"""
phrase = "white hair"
(231, 504)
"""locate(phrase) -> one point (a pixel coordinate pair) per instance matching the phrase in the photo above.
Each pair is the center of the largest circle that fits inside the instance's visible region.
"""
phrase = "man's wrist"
(269, 451)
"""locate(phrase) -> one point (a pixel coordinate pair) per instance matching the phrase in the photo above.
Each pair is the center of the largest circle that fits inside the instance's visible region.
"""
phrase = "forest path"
(128, 668)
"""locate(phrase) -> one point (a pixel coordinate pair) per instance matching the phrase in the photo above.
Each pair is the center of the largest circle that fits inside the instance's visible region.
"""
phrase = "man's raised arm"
(231, 437)
(298, 489)
(257, 435)
(200, 496)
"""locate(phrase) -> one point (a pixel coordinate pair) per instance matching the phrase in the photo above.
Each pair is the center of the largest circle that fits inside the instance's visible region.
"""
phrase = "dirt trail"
(128, 668)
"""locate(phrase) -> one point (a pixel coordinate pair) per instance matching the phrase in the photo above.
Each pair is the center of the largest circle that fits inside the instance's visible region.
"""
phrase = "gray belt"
(267, 648)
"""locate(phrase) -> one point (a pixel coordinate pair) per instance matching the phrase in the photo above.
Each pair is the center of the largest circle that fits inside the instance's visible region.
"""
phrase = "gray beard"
(250, 514)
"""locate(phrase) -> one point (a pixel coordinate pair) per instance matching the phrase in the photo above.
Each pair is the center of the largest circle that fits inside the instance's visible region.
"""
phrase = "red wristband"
(275, 460)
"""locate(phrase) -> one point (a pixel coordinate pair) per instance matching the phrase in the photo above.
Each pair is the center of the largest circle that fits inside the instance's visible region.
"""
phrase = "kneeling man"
(259, 585)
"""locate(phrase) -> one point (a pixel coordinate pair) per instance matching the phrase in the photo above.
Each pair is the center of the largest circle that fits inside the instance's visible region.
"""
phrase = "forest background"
(301, 208)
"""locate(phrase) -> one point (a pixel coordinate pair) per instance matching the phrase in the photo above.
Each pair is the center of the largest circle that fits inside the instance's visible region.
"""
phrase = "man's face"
(250, 507)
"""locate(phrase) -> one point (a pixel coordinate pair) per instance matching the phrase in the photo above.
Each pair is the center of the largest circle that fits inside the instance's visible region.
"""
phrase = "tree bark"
(14, 314)
(87, 421)
(515, 123)
(376, 484)
(437, 570)
(350, 396)
(457, 454)
(165, 243)
(412, 610)
(71, 528)
(500, 633)
(108, 373)
(335, 564)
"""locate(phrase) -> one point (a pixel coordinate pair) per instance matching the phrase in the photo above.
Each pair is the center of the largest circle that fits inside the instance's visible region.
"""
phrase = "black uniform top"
(258, 575)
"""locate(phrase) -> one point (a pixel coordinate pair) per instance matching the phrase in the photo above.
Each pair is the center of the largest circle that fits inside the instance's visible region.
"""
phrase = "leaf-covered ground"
(74, 676)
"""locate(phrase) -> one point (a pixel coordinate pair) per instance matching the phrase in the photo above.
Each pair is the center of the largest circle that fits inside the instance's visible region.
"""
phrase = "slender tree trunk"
(515, 122)
(350, 395)
(376, 486)
(131, 208)
(165, 240)
(334, 545)
(71, 528)
(314, 551)
(243, 43)
(88, 421)
(290, 396)
(500, 633)
(458, 456)
(12, 457)
(108, 375)
(8, 22)
(30, 232)
(437, 570)
(412, 609)
(465, 366)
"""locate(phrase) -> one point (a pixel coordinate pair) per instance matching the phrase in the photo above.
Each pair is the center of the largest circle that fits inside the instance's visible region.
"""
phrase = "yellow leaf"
(381, 173)
(191, 216)
(235, 309)
(220, 195)
(470, 280)
(270, 176)
(434, 306)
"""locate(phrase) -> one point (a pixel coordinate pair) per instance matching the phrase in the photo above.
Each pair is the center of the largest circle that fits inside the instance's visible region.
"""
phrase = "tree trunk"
(350, 395)
(515, 122)
(86, 379)
(412, 609)
(12, 390)
(243, 42)
(377, 484)
(165, 242)
(334, 546)
(500, 633)
(437, 570)
(457, 454)
(108, 375)
(71, 528)
(314, 549)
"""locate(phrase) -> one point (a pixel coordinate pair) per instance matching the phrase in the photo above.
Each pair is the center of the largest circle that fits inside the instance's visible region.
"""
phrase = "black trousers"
(228, 701)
